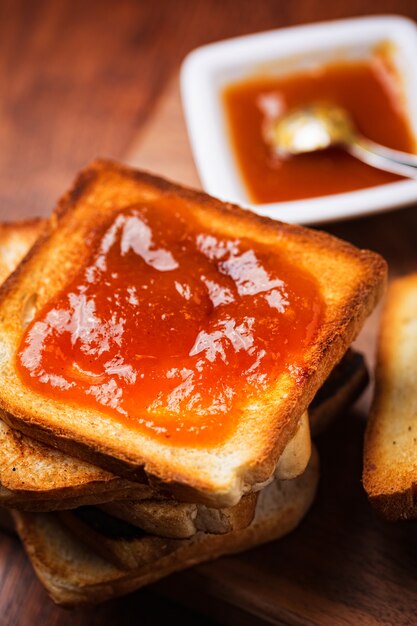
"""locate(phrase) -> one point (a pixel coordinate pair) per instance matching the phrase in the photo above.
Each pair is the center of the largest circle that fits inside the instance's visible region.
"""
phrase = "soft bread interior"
(297, 452)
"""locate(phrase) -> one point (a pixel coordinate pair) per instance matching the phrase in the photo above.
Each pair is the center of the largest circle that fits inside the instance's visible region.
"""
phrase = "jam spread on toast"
(171, 327)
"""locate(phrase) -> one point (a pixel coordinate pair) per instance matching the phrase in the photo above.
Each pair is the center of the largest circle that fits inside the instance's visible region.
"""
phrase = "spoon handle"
(384, 158)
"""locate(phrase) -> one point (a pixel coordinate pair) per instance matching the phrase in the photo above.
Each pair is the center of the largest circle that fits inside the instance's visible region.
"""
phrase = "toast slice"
(73, 574)
(390, 454)
(34, 471)
(350, 282)
(126, 546)
(180, 520)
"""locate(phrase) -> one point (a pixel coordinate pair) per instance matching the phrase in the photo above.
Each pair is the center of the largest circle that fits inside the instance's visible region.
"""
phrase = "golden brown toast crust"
(390, 453)
(351, 281)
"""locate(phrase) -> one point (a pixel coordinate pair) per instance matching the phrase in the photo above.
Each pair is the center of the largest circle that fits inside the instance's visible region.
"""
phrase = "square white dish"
(207, 70)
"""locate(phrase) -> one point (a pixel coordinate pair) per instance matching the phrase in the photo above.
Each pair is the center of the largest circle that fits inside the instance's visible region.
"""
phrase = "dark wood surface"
(82, 79)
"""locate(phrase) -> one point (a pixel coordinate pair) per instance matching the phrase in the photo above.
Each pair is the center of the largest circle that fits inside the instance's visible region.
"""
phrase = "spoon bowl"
(314, 127)
(318, 126)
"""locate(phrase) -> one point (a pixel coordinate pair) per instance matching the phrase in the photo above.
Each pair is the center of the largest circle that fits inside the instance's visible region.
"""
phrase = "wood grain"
(85, 79)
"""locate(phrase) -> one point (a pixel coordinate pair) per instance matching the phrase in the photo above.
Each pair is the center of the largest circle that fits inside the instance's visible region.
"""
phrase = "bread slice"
(34, 471)
(120, 543)
(39, 478)
(390, 455)
(73, 574)
(36, 477)
(350, 281)
(180, 520)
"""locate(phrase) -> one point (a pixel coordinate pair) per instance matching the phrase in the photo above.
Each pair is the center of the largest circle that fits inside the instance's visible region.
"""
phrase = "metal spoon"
(319, 126)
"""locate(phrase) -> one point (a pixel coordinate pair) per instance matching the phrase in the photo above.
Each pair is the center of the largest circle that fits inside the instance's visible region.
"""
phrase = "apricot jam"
(170, 327)
(368, 89)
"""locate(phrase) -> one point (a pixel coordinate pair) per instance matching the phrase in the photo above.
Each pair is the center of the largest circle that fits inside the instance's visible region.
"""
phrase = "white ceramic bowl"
(207, 70)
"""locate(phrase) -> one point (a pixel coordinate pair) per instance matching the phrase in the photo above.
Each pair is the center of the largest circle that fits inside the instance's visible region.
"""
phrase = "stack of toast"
(122, 471)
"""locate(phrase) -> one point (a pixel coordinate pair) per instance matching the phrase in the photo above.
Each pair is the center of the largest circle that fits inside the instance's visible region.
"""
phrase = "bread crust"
(390, 451)
(351, 281)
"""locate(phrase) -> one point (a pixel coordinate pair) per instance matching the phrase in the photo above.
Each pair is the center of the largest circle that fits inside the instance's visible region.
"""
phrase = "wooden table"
(82, 79)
